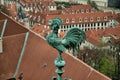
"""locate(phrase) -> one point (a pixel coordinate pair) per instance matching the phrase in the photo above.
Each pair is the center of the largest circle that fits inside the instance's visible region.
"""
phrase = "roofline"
(13, 20)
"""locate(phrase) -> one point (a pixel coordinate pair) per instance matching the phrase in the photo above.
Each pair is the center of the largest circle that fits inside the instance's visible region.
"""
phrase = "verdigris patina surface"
(72, 40)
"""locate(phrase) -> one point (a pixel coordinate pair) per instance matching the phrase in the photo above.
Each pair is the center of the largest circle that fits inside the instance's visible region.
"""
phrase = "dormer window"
(73, 20)
(98, 18)
(72, 11)
(80, 19)
(87, 10)
(85, 19)
(92, 10)
(63, 12)
(105, 18)
(82, 11)
(91, 19)
(77, 11)
(50, 22)
(67, 20)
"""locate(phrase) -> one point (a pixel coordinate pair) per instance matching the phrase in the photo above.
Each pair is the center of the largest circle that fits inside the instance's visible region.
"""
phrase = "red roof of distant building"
(12, 9)
(76, 17)
(93, 36)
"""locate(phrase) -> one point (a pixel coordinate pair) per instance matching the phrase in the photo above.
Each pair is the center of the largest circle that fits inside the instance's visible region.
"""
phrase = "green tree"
(93, 4)
(89, 2)
(106, 66)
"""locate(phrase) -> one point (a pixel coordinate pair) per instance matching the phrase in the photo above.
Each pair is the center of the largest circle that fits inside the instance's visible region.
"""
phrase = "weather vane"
(72, 40)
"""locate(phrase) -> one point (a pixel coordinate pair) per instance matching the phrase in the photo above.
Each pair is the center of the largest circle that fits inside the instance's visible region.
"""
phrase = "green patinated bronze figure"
(72, 40)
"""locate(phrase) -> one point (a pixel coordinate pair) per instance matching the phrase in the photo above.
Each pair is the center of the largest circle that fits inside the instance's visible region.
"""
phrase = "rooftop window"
(82, 11)
(98, 18)
(73, 20)
(91, 19)
(85, 19)
(87, 10)
(67, 20)
(80, 19)
(105, 18)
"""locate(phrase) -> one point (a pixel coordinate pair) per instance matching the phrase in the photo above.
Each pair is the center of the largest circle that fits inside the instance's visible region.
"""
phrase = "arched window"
(87, 10)
(82, 10)
(67, 20)
(85, 19)
(80, 19)
(91, 19)
(73, 20)
(98, 18)
(105, 18)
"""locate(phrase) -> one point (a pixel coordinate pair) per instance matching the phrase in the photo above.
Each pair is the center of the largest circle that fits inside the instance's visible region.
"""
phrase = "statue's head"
(56, 22)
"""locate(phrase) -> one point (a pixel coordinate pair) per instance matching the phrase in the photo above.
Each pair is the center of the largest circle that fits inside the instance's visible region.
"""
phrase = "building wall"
(63, 0)
(81, 1)
(103, 3)
(86, 26)
(2, 2)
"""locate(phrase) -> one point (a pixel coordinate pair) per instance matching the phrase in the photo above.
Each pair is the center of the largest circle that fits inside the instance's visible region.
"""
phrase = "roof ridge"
(14, 20)
(92, 69)
(37, 34)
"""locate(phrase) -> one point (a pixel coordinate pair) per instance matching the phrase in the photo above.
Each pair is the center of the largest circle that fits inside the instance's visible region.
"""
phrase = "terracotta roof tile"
(12, 27)
(93, 36)
(12, 9)
(38, 60)
(82, 16)
(11, 53)
(43, 30)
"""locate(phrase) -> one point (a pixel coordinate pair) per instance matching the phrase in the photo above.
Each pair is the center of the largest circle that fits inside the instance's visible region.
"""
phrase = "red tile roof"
(12, 27)
(93, 36)
(40, 53)
(43, 2)
(12, 9)
(43, 30)
(82, 16)
(78, 9)
(37, 54)
(11, 53)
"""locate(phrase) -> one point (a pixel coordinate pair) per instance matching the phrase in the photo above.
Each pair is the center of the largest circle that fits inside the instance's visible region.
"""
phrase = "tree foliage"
(100, 60)
(106, 66)
(93, 4)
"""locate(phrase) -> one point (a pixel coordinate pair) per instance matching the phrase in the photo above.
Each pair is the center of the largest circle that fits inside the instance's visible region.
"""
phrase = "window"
(87, 10)
(80, 19)
(105, 18)
(63, 12)
(85, 19)
(98, 18)
(82, 11)
(77, 11)
(91, 19)
(92, 10)
(73, 20)
(72, 11)
(67, 20)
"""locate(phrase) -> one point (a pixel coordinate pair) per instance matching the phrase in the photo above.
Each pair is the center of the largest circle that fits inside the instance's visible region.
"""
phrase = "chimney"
(1, 48)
